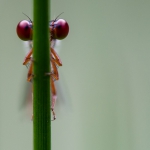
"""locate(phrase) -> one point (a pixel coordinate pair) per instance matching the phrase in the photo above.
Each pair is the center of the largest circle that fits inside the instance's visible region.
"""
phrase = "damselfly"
(59, 29)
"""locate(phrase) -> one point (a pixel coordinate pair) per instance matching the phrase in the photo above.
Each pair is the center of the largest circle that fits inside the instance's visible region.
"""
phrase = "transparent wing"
(62, 92)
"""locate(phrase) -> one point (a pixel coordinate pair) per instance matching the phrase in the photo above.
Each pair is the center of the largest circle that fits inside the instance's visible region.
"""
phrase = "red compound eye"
(24, 30)
(59, 29)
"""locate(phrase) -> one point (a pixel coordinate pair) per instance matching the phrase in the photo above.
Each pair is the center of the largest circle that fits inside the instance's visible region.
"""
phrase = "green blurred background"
(104, 82)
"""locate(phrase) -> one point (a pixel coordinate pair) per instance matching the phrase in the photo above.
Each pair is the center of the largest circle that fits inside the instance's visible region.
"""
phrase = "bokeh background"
(104, 87)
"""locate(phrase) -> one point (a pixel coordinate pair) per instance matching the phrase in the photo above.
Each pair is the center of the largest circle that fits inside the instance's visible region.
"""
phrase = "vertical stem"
(41, 83)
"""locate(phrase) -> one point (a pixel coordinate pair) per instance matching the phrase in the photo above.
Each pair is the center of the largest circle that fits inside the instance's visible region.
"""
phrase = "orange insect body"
(59, 30)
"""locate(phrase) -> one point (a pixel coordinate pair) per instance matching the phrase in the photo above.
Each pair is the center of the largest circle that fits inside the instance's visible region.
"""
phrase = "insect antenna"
(58, 16)
(27, 17)
(55, 19)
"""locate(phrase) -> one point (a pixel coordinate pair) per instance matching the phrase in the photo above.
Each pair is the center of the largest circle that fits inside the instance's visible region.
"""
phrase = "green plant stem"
(41, 82)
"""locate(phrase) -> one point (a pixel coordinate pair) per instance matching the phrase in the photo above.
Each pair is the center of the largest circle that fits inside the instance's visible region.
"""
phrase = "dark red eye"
(59, 29)
(24, 30)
